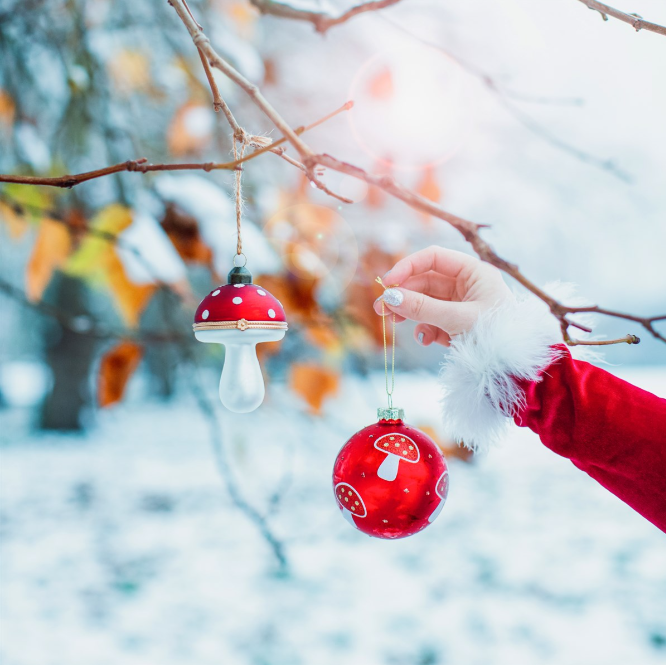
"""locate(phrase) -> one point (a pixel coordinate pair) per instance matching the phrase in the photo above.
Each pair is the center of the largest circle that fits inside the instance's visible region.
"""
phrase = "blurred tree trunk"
(69, 355)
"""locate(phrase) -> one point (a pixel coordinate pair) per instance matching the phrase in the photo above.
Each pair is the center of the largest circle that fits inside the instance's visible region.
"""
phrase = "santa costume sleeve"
(510, 366)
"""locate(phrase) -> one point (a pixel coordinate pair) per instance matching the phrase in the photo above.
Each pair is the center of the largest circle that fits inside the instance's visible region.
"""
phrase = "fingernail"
(393, 297)
(420, 338)
(386, 274)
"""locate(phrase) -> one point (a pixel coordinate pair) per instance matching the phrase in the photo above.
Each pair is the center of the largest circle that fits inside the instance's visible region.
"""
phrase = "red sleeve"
(607, 427)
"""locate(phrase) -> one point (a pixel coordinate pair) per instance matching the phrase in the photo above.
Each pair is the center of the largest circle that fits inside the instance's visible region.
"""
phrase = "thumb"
(452, 317)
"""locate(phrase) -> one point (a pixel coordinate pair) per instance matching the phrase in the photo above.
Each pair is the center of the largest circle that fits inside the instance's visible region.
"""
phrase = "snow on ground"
(122, 546)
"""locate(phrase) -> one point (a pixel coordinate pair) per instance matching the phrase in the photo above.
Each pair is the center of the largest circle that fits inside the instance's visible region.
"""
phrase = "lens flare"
(411, 108)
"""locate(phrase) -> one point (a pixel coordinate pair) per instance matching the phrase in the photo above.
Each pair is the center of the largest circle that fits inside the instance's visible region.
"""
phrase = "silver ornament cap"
(390, 413)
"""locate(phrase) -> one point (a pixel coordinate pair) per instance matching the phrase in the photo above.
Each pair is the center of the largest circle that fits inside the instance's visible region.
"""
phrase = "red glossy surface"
(395, 508)
(256, 304)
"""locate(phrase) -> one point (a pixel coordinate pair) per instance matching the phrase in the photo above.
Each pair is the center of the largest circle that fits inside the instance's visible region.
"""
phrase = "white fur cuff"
(479, 375)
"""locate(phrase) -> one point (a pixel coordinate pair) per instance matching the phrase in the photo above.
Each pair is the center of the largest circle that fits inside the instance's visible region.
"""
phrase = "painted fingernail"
(420, 338)
(393, 297)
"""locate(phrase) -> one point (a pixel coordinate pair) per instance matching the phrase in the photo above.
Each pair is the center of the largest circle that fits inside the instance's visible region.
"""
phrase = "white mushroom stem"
(242, 384)
(436, 512)
(388, 469)
(349, 517)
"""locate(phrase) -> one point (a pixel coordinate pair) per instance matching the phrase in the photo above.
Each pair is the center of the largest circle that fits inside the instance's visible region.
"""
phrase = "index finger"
(448, 262)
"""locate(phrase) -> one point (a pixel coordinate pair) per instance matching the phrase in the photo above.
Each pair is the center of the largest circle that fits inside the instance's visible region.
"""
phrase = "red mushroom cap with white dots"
(400, 445)
(239, 302)
(350, 499)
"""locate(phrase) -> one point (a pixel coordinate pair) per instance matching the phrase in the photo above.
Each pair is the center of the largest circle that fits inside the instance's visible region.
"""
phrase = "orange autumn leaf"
(116, 368)
(7, 108)
(323, 336)
(130, 298)
(50, 251)
(381, 85)
(314, 384)
(363, 291)
(428, 187)
(183, 231)
(190, 129)
(447, 446)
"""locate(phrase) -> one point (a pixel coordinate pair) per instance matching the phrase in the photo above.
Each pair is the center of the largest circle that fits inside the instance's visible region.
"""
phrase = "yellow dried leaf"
(90, 258)
(130, 70)
(16, 224)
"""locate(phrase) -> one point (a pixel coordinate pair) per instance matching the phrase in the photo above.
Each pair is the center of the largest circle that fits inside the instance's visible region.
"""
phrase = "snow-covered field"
(122, 547)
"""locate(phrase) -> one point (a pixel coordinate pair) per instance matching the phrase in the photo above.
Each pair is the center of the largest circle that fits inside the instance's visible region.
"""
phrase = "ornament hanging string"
(238, 154)
(389, 391)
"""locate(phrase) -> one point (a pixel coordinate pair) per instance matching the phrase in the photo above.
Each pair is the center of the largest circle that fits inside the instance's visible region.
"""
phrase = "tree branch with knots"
(470, 231)
(637, 22)
(143, 166)
(322, 21)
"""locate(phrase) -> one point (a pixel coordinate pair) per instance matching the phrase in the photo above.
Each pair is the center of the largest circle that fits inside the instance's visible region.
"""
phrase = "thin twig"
(507, 98)
(634, 20)
(202, 42)
(322, 21)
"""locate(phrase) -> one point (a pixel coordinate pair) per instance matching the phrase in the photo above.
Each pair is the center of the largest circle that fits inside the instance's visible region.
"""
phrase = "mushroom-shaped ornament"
(239, 315)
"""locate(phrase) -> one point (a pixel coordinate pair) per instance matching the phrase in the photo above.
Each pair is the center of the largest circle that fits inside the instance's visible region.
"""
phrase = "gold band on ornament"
(241, 324)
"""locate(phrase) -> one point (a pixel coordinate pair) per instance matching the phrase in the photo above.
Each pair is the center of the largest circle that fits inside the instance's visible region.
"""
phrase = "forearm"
(510, 367)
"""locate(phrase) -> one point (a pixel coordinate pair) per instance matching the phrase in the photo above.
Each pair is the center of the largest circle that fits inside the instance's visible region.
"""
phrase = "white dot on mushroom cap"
(386, 445)
(271, 313)
(216, 292)
(346, 499)
(237, 301)
(397, 445)
(261, 292)
(205, 314)
(411, 447)
(404, 452)
(239, 286)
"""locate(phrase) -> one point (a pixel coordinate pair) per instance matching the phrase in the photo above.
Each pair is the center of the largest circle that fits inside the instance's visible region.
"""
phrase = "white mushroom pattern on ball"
(397, 447)
(350, 501)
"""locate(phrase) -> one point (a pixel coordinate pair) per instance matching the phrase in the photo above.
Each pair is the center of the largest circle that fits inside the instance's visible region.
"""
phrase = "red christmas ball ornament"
(390, 480)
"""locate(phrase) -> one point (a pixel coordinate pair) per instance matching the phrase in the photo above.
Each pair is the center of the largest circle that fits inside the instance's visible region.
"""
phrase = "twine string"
(389, 391)
(238, 154)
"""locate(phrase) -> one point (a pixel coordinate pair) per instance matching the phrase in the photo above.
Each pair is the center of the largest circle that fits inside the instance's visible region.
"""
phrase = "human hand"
(444, 290)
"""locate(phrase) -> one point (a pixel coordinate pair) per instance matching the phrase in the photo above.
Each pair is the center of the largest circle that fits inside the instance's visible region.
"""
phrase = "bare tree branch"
(322, 21)
(141, 165)
(634, 20)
